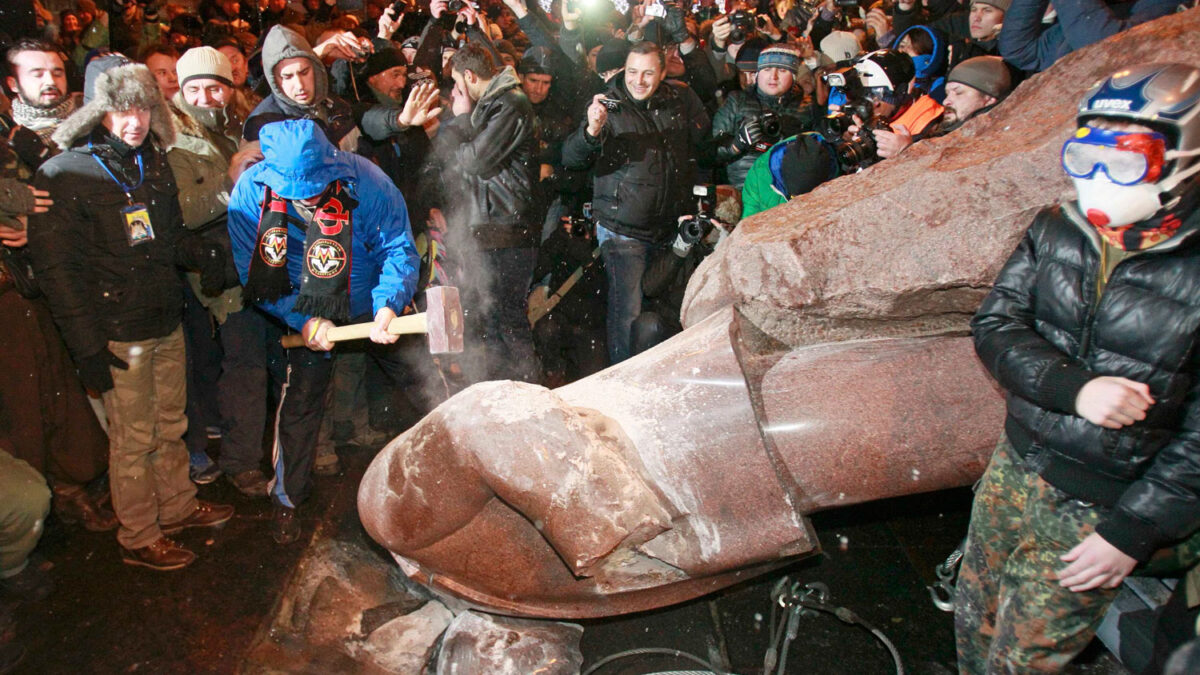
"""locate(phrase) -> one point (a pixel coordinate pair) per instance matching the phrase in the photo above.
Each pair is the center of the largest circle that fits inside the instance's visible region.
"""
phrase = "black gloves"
(749, 134)
(674, 25)
(211, 262)
(94, 370)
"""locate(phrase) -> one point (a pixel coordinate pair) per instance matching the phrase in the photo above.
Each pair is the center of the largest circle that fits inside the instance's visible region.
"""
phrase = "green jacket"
(200, 161)
(763, 187)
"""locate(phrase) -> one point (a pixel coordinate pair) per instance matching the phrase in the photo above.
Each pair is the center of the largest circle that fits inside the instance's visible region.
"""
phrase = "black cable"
(657, 651)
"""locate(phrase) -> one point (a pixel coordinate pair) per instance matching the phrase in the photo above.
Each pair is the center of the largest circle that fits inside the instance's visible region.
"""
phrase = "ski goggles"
(1127, 158)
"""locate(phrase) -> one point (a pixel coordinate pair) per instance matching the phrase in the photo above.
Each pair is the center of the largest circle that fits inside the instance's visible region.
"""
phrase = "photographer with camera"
(641, 139)
(667, 275)
(880, 117)
(755, 119)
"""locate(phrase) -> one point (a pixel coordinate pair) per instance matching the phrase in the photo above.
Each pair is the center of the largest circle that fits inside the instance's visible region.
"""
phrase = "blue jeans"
(625, 260)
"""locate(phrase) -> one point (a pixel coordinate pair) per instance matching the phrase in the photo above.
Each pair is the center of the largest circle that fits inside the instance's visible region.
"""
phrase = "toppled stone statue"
(825, 363)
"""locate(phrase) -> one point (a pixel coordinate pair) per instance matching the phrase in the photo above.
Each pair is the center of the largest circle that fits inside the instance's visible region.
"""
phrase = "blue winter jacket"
(1030, 45)
(299, 159)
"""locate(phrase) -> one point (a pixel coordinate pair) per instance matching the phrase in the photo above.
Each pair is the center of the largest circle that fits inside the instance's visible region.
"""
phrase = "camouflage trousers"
(1010, 614)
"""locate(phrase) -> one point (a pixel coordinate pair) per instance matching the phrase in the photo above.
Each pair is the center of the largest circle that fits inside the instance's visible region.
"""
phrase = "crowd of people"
(186, 182)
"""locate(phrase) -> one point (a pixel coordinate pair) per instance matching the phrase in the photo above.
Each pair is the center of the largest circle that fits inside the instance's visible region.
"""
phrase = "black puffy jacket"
(1043, 334)
(644, 161)
(495, 150)
(99, 287)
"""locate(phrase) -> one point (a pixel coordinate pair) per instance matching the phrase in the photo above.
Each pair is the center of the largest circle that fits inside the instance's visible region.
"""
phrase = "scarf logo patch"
(273, 248)
(332, 217)
(326, 258)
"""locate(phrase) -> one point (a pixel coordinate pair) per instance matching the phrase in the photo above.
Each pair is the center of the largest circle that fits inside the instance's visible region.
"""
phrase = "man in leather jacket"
(494, 141)
(1091, 328)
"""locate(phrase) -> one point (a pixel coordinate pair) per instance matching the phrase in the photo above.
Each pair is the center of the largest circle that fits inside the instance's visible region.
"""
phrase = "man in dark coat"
(1091, 329)
(106, 255)
(643, 153)
(493, 138)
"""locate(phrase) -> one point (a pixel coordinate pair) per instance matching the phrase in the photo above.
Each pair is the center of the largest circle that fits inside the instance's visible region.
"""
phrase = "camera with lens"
(694, 228)
(583, 226)
(859, 151)
(771, 127)
(742, 23)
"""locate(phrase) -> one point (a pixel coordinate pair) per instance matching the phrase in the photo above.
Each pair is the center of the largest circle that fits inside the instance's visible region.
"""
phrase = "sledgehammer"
(442, 320)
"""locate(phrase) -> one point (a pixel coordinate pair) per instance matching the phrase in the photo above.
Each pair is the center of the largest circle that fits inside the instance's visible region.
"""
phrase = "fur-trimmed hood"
(121, 88)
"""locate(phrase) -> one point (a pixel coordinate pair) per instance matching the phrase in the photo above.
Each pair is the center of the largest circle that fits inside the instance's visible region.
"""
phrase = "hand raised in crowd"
(316, 334)
(389, 22)
(438, 7)
(1095, 563)
(1113, 402)
(597, 116)
(892, 143)
(570, 17)
(249, 154)
(460, 102)
(804, 45)
(421, 106)
(518, 7)
(878, 21)
(343, 45)
(721, 28)
(379, 332)
(767, 26)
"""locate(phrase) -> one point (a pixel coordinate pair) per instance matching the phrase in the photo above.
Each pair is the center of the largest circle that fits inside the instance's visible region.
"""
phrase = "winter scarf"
(325, 279)
(43, 120)
(1154, 230)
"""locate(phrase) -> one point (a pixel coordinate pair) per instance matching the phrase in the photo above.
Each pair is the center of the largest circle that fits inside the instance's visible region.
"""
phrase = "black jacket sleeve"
(61, 266)
(1024, 362)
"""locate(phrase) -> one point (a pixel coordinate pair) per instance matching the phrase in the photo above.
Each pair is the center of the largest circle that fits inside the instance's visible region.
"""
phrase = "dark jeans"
(254, 359)
(625, 260)
(203, 371)
(495, 298)
(569, 349)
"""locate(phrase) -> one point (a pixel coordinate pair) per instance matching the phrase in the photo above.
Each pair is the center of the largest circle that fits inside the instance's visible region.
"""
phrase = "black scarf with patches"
(325, 275)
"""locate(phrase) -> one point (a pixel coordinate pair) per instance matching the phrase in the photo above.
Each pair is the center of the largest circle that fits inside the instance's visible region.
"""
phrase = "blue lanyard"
(126, 188)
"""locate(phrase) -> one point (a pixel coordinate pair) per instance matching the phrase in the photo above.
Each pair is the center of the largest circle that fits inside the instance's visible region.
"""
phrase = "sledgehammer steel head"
(444, 320)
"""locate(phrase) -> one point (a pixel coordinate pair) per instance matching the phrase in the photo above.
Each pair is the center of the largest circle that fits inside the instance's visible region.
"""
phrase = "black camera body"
(771, 127)
(611, 104)
(860, 151)
(742, 23)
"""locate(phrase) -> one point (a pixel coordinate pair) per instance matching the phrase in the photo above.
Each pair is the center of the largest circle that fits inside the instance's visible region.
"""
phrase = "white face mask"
(1106, 204)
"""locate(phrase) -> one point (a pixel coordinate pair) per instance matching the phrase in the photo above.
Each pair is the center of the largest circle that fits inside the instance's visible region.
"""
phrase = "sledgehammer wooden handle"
(401, 325)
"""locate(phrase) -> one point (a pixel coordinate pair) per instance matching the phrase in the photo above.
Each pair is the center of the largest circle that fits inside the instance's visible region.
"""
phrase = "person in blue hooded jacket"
(319, 236)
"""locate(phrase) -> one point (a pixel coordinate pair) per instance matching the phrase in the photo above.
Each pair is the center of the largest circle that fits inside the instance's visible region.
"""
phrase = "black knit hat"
(612, 55)
(806, 163)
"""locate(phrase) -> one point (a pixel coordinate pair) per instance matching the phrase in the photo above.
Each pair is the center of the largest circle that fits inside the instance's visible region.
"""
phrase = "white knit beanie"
(204, 62)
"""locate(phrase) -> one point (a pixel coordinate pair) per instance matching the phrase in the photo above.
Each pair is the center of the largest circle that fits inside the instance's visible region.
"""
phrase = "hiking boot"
(73, 504)
(163, 555)
(285, 527)
(251, 483)
(206, 514)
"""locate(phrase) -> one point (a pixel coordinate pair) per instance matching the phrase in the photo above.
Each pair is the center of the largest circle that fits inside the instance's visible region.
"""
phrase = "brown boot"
(163, 555)
(206, 514)
(73, 504)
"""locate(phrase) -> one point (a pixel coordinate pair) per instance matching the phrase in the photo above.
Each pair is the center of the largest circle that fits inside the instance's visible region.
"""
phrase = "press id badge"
(137, 224)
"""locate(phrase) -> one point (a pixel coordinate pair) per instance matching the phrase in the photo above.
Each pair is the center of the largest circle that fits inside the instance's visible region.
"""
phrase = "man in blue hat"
(319, 236)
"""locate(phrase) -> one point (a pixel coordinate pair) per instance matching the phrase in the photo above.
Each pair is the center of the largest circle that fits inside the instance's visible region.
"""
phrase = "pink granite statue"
(825, 362)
